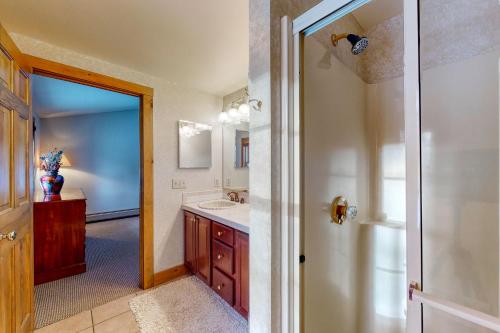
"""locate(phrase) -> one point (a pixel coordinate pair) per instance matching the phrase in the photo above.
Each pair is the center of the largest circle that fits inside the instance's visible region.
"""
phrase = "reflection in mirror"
(195, 145)
(236, 152)
(242, 146)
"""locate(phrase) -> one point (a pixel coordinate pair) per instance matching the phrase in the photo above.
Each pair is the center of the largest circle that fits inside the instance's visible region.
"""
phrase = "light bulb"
(223, 117)
(234, 115)
(244, 109)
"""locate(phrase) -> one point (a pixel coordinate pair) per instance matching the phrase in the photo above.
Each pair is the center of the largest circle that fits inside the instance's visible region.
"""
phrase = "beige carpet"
(185, 306)
(112, 255)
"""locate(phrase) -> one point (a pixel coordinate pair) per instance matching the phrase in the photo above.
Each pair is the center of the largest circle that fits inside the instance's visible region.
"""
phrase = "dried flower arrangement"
(51, 161)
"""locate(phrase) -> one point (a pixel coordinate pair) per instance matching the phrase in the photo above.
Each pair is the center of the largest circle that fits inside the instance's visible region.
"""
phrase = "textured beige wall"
(228, 99)
(171, 103)
(471, 31)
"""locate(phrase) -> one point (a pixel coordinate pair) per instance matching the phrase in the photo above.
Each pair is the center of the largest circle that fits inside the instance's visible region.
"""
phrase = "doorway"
(353, 181)
(414, 177)
(143, 226)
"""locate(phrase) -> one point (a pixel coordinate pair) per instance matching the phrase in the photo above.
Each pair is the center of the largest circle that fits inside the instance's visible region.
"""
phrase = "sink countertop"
(235, 217)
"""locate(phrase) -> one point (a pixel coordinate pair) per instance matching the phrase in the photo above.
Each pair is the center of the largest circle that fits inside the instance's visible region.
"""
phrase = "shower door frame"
(292, 45)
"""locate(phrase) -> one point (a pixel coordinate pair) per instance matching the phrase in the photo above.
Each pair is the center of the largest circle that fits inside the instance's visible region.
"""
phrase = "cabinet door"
(242, 251)
(203, 254)
(190, 241)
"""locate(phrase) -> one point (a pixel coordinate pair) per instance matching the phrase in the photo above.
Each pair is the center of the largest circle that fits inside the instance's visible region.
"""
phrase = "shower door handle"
(340, 210)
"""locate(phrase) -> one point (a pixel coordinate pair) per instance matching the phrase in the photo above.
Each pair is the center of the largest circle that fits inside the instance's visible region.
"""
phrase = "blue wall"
(104, 152)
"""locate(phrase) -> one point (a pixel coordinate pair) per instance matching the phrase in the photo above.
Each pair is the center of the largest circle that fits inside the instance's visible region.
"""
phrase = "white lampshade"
(65, 162)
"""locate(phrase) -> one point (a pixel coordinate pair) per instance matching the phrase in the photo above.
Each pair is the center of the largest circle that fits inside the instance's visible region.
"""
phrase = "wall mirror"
(236, 156)
(195, 145)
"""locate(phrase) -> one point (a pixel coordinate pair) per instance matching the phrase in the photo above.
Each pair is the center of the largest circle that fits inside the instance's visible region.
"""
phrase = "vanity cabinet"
(226, 267)
(197, 254)
(242, 261)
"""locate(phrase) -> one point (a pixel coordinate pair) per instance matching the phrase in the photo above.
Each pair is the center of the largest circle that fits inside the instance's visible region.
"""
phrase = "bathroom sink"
(217, 204)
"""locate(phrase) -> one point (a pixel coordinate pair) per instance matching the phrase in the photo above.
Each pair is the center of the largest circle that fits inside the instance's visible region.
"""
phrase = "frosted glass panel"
(460, 51)
(437, 321)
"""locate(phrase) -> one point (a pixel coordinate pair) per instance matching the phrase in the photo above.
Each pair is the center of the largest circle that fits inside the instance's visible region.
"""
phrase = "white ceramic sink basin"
(217, 204)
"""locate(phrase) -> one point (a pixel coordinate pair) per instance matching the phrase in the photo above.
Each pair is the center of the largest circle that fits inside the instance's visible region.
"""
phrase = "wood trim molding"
(74, 74)
(171, 274)
(147, 185)
(77, 75)
(9, 45)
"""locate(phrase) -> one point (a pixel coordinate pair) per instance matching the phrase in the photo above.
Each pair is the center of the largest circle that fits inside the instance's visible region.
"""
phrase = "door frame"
(292, 41)
(68, 73)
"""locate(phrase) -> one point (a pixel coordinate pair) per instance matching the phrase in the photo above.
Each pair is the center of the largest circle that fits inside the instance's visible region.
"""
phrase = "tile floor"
(112, 317)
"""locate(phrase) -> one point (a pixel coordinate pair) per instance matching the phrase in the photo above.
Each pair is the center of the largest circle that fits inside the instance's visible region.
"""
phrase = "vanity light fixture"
(189, 129)
(240, 110)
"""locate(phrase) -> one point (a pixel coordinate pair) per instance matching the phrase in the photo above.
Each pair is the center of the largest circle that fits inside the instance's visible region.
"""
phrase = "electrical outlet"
(216, 182)
(227, 182)
(178, 184)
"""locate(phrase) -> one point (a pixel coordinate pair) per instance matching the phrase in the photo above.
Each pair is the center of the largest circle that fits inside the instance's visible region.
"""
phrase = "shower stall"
(393, 142)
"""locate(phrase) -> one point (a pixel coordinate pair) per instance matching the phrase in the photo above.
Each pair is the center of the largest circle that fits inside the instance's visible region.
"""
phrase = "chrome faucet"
(233, 196)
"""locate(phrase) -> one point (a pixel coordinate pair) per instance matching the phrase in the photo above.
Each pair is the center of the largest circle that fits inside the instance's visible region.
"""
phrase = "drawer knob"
(11, 236)
(220, 256)
(220, 286)
(220, 233)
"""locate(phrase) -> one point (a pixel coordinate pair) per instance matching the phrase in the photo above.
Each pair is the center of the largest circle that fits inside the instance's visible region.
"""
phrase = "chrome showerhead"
(359, 43)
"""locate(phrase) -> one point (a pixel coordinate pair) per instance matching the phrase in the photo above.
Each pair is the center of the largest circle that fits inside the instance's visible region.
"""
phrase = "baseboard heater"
(118, 214)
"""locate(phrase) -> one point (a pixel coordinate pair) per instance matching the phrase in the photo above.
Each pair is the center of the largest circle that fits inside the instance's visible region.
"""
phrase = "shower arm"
(335, 38)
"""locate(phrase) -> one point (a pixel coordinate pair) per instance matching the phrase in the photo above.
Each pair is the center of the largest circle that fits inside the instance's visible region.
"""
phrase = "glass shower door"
(459, 56)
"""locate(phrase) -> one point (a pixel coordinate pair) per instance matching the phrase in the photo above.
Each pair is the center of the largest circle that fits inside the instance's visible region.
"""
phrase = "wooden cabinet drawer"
(223, 233)
(223, 285)
(222, 257)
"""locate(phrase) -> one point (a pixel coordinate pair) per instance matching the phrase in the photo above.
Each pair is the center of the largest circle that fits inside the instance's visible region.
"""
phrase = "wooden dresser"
(59, 235)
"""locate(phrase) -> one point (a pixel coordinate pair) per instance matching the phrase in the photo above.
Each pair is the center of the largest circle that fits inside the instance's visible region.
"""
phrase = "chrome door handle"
(341, 211)
(11, 236)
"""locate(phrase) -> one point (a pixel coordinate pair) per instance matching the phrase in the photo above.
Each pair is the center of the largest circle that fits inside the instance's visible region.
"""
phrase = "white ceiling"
(196, 43)
(58, 98)
(377, 11)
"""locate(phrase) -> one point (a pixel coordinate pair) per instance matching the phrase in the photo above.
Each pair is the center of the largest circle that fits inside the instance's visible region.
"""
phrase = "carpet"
(112, 256)
(185, 306)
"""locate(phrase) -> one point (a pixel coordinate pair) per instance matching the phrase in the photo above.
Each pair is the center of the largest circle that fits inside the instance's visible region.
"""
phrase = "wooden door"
(203, 255)
(16, 228)
(190, 241)
(242, 251)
